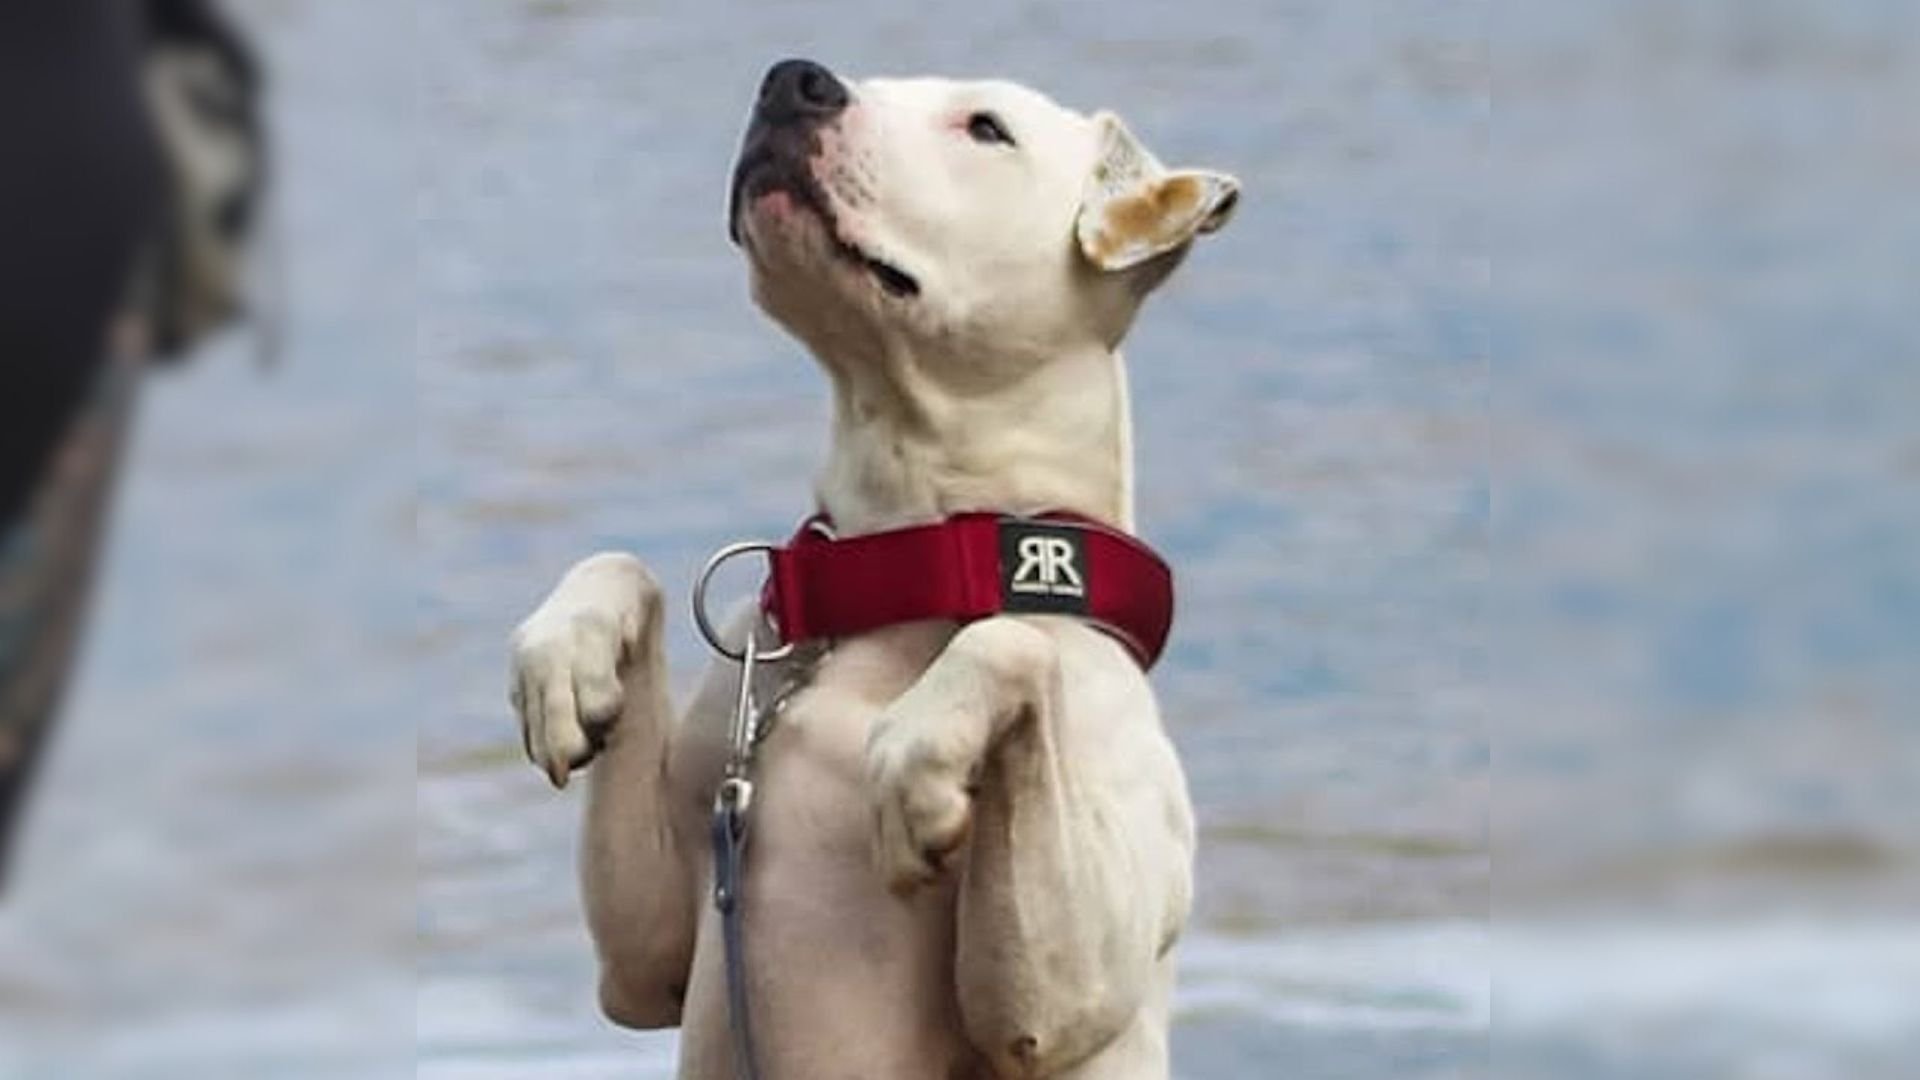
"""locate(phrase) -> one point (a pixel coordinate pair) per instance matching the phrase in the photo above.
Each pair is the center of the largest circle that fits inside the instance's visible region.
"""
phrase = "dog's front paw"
(566, 660)
(922, 808)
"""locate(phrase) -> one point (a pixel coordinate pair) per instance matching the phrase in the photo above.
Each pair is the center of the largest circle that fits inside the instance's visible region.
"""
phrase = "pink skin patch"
(778, 207)
(776, 213)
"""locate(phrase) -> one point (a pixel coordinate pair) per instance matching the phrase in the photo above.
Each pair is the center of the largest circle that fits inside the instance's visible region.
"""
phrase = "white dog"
(971, 840)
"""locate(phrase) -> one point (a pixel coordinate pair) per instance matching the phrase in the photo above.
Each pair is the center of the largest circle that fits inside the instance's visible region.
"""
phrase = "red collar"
(967, 567)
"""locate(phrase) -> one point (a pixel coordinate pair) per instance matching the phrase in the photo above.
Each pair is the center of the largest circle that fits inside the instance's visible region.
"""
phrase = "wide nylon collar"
(967, 567)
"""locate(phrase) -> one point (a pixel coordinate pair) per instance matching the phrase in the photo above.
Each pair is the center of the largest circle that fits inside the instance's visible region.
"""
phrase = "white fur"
(972, 847)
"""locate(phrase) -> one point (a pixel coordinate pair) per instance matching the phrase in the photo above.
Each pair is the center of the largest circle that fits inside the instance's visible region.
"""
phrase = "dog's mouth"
(893, 281)
(763, 170)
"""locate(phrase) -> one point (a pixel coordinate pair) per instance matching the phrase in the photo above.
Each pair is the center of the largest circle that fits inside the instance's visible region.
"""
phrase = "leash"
(733, 799)
(820, 587)
(730, 805)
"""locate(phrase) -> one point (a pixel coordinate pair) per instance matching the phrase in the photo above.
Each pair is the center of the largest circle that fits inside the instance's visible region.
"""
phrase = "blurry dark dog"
(134, 170)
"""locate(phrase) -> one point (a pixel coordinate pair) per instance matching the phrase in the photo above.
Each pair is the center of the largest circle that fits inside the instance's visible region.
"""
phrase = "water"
(1601, 270)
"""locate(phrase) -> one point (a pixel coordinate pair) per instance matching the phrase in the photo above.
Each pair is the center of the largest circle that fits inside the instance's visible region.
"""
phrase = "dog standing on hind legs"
(971, 847)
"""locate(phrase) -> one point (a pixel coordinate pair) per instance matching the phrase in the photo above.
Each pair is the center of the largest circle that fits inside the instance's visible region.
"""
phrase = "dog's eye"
(985, 127)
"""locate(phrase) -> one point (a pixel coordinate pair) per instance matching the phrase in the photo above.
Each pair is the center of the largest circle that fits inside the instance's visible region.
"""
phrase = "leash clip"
(734, 797)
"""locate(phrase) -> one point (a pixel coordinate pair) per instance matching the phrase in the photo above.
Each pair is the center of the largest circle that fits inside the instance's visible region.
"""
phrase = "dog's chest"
(810, 766)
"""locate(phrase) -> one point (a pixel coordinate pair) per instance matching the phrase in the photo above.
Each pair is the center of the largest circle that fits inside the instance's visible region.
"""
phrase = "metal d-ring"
(705, 625)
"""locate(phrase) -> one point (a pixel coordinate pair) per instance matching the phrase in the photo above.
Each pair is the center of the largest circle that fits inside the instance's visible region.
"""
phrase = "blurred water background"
(1547, 413)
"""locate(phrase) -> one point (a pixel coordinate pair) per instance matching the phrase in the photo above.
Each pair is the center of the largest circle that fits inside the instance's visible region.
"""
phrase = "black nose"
(800, 90)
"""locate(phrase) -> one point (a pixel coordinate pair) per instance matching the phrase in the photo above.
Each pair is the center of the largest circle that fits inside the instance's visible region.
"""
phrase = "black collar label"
(1043, 568)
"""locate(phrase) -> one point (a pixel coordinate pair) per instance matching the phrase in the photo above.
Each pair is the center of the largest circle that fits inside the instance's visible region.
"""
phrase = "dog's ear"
(1135, 208)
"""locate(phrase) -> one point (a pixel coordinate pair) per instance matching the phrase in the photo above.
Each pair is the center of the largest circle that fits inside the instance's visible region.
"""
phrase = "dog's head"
(978, 222)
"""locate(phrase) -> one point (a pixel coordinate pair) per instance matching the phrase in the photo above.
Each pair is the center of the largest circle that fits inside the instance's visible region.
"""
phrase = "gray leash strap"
(730, 805)
(729, 847)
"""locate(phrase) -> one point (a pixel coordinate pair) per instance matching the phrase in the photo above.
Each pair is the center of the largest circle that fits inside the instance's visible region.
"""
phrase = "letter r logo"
(1046, 565)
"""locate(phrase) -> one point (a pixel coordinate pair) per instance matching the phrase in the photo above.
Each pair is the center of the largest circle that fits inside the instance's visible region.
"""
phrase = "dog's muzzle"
(796, 98)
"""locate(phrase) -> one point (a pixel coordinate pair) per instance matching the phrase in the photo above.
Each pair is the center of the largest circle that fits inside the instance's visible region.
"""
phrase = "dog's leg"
(1078, 876)
(590, 677)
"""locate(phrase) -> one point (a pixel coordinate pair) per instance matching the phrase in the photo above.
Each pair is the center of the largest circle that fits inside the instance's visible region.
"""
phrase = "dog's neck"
(906, 450)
